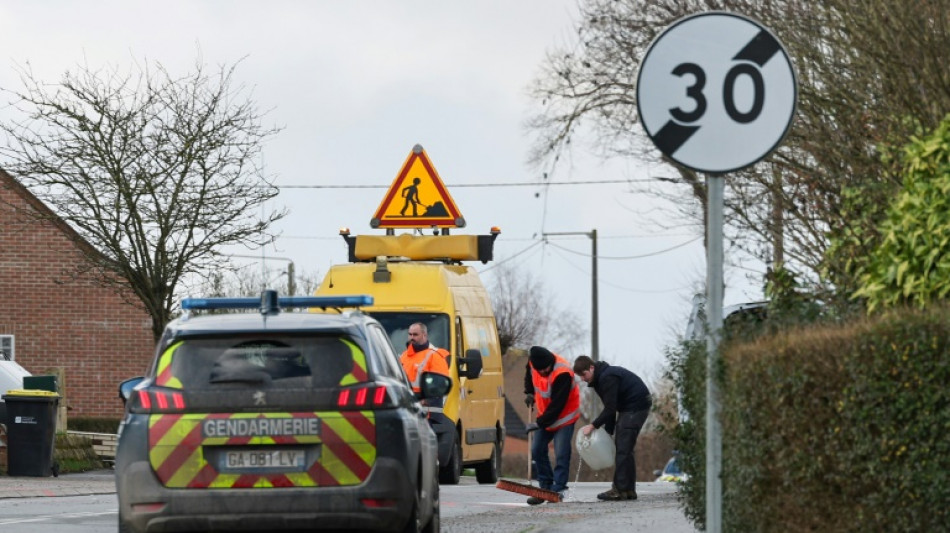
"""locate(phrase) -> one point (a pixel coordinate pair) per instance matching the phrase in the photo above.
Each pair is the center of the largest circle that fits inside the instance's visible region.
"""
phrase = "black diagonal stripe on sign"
(671, 136)
(760, 49)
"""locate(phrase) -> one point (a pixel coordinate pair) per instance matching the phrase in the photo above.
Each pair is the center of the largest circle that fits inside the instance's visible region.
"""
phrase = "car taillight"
(155, 400)
(363, 397)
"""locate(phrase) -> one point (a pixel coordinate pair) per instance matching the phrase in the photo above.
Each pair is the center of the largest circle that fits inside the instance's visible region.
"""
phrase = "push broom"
(527, 488)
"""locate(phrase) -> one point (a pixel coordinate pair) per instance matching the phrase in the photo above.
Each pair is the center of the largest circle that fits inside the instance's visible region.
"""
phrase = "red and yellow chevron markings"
(346, 440)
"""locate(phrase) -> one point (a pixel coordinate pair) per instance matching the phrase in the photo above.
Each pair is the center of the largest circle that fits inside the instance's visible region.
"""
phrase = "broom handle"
(530, 420)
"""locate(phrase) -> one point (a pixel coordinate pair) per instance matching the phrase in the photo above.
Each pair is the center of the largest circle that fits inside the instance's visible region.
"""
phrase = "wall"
(63, 319)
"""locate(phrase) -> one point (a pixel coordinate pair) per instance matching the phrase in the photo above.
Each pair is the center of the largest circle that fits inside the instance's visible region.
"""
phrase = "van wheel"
(487, 472)
(451, 473)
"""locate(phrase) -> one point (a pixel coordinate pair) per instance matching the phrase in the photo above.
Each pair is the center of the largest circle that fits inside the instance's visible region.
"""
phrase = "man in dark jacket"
(627, 404)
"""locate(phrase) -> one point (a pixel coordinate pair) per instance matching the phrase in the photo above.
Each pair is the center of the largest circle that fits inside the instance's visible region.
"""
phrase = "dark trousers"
(555, 480)
(625, 438)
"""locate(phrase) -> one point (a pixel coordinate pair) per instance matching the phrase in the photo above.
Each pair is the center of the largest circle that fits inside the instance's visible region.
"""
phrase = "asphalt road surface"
(472, 508)
(466, 508)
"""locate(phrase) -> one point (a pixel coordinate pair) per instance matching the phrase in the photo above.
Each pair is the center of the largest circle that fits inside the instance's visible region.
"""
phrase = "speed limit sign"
(716, 92)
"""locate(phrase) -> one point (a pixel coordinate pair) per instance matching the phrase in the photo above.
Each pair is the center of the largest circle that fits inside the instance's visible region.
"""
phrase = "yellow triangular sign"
(417, 198)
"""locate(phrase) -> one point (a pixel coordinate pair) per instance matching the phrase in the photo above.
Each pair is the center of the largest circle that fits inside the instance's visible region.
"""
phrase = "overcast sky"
(355, 84)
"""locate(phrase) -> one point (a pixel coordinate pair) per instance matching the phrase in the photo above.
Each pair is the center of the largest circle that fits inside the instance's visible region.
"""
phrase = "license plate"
(283, 459)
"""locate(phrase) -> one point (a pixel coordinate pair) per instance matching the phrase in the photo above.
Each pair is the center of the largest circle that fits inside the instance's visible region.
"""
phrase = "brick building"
(52, 317)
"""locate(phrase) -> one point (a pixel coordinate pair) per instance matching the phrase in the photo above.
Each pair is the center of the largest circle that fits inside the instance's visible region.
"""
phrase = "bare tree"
(587, 90)
(251, 280)
(307, 282)
(871, 74)
(526, 314)
(157, 172)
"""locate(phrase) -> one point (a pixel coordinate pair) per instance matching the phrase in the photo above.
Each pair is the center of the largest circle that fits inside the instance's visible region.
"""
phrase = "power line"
(621, 287)
(651, 254)
(494, 185)
(508, 239)
(309, 238)
(607, 237)
(509, 258)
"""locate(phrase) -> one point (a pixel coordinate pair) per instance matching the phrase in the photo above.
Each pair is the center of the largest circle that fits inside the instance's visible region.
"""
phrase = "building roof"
(514, 425)
(42, 211)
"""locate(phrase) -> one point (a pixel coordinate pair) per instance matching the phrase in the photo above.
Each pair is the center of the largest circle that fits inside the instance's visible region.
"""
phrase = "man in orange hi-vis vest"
(549, 384)
(419, 357)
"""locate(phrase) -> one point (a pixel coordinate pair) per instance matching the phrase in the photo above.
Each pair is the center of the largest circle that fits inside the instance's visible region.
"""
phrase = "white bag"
(597, 450)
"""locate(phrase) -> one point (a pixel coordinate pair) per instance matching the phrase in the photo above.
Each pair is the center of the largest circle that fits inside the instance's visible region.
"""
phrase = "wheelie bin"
(31, 432)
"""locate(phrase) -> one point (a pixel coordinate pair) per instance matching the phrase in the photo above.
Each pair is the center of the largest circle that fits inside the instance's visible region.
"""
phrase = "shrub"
(93, 425)
(911, 264)
(827, 428)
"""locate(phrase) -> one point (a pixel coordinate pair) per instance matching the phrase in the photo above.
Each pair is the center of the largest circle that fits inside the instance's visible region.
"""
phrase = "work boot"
(630, 494)
(534, 500)
(614, 495)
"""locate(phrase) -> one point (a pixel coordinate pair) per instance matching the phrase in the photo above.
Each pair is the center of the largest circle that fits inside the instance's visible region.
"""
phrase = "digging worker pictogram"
(411, 194)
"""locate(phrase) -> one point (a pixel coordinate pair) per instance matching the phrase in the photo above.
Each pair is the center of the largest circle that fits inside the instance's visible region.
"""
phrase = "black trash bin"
(31, 432)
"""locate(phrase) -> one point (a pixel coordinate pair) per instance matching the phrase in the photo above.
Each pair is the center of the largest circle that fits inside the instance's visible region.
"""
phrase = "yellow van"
(420, 278)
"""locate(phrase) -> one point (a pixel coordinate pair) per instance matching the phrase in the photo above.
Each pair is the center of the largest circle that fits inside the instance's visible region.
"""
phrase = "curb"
(79, 484)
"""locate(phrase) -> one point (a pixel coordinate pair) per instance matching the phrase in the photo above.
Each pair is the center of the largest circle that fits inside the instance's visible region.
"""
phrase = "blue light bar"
(191, 304)
(326, 301)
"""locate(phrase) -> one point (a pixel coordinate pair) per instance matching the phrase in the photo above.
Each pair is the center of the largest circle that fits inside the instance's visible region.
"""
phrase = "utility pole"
(291, 284)
(594, 320)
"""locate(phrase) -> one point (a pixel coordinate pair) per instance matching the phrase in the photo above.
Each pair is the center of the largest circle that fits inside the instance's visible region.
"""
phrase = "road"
(68, 514)
(466, 508)
(473, 508)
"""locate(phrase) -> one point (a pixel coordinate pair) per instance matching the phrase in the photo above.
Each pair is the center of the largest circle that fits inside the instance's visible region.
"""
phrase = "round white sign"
(716, 92)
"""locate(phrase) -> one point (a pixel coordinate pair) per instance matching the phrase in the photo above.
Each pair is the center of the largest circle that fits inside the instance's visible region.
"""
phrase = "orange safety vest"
(428, 360)
(542, 393)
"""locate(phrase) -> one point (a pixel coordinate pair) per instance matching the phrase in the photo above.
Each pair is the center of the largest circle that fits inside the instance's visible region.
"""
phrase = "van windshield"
(397, 327)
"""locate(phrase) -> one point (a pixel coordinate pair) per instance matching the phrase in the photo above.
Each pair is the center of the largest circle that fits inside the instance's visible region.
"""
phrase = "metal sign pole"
(714, 297)
(716, 93)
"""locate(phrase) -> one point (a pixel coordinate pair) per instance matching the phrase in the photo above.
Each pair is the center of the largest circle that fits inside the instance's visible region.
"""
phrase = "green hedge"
(827, 428)
(688, 372)
(93, 425)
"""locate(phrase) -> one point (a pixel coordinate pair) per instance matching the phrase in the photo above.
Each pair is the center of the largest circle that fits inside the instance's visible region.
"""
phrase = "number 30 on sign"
(716, 92)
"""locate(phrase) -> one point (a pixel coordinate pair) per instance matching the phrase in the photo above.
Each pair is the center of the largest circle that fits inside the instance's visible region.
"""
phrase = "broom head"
(528, 490)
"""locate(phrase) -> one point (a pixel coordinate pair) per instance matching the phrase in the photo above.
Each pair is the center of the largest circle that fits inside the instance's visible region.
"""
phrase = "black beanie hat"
(541, 358)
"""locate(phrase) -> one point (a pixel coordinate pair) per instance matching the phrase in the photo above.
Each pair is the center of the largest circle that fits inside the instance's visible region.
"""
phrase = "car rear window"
(265, 362)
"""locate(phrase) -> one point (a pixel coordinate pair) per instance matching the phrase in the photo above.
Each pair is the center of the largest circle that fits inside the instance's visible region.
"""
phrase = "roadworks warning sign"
(417, 198)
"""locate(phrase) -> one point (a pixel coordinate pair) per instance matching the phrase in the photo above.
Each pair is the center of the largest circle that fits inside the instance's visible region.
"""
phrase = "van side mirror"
(126, 387)
(434, 385)
(470, 366)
